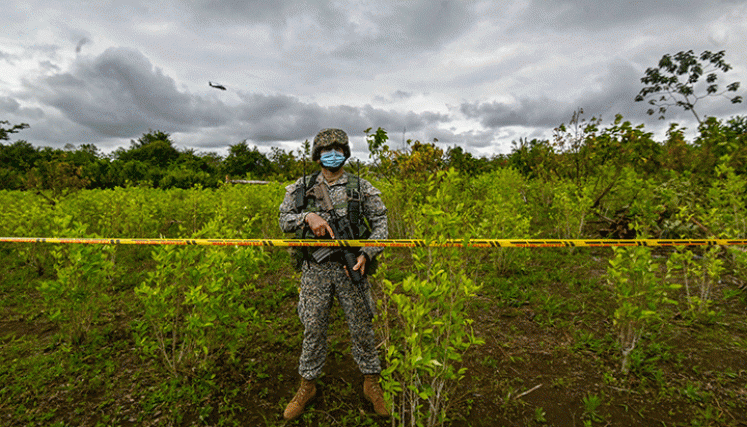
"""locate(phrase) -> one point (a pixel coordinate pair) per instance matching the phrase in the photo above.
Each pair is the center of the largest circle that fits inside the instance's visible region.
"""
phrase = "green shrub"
(79, 295)
(426, 327)
(194, 302)
(640, 296)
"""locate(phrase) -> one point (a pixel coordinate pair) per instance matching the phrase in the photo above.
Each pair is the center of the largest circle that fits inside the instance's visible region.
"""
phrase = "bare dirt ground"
(549, 359)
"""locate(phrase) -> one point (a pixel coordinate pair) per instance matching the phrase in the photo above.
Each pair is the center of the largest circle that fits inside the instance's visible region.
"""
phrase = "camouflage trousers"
(319, 285)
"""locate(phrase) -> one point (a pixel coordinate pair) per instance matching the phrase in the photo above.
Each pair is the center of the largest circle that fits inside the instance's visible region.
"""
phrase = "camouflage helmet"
(327, 138)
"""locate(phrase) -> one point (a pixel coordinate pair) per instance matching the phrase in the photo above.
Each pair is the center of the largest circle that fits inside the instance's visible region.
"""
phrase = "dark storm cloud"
(266, 118)
(277, 117)
(525, 112)
(609, 94)
(418, 120)
(56, 130)
(10, 105)
(120, 94)
(614, 93)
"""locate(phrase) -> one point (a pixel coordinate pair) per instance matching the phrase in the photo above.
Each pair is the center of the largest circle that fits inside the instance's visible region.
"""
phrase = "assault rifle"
(342, 230)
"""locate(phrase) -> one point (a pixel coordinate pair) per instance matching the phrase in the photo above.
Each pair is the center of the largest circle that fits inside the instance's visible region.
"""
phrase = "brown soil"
(528, 372)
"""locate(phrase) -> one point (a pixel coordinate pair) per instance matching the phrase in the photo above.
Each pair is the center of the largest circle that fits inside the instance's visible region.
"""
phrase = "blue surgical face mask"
(332, 159)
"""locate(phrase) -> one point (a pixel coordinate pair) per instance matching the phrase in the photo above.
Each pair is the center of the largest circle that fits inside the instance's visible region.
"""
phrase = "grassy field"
(551, 353)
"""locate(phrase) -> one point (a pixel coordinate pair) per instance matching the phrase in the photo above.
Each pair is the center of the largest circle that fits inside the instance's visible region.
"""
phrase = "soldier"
(324, 276)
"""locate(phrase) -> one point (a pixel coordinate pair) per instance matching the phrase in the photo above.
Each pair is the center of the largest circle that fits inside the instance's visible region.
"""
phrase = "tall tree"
(242, 160)
(154, 148)
(673, 82)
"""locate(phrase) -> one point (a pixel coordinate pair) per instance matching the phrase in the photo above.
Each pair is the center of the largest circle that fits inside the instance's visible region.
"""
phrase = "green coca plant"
(640, 296)
(427, 330)
(194, 302)
(78, 297)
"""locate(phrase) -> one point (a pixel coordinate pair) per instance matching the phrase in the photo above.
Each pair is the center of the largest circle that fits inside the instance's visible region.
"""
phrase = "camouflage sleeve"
(375, 212)
(290, 220)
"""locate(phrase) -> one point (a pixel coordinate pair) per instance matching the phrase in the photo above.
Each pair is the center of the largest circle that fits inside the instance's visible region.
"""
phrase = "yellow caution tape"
(396, 243)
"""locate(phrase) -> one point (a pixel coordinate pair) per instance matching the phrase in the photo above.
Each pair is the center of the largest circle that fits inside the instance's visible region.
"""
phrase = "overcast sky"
(475, 74)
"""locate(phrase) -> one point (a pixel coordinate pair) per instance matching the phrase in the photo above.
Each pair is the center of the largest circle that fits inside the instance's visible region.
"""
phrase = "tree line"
(579, 150)
(153, 160)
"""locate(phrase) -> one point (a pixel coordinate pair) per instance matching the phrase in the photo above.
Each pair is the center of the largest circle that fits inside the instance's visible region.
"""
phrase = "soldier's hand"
(318, 225)
(361, 264)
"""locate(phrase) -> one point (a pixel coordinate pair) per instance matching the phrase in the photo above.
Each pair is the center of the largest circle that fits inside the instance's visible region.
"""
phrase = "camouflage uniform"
(321, 282)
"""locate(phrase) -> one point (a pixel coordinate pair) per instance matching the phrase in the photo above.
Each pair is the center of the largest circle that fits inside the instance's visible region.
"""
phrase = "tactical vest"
(354, 207)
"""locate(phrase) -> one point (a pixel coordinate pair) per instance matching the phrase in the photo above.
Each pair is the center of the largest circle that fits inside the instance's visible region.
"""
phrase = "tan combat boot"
(374, 394)
(305, 393)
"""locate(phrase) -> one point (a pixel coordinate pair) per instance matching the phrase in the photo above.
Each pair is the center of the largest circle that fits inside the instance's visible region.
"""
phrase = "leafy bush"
(26, 214)
(500, 211)
(194, 311)
(78, 297)
(640, 296)
(426, 326)
(697, 276)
